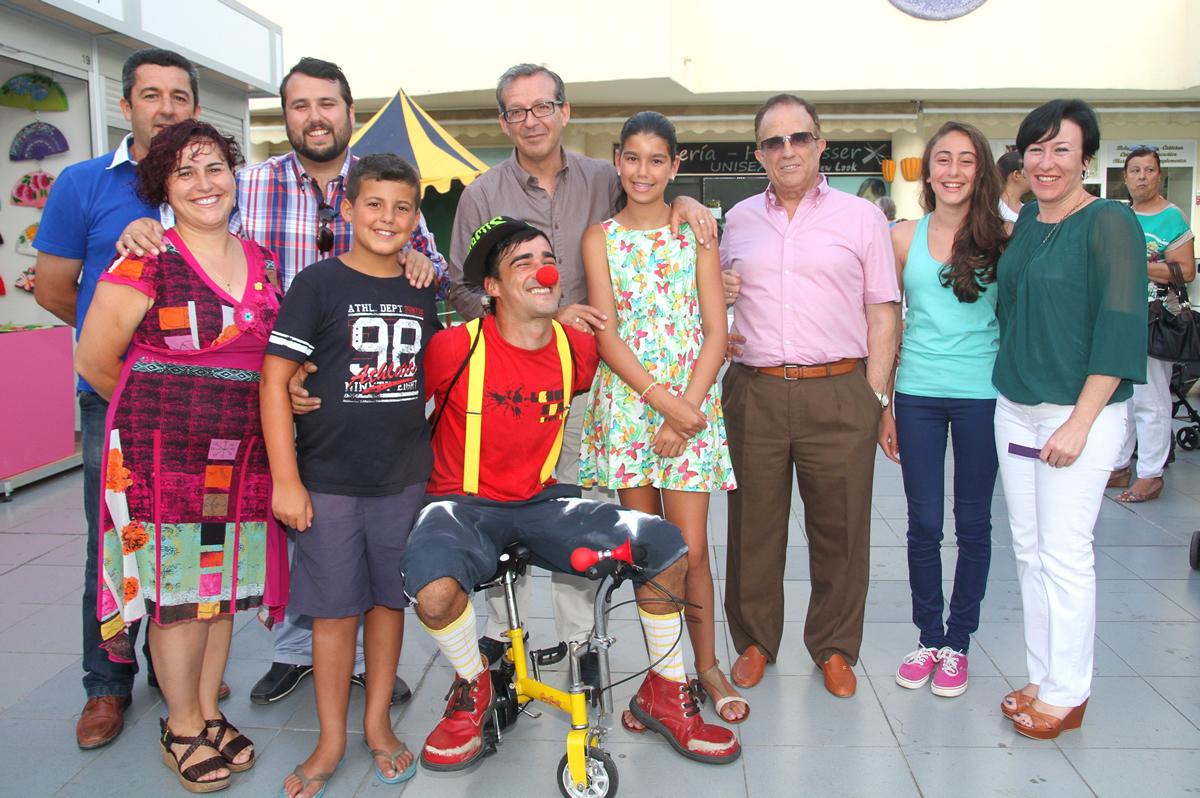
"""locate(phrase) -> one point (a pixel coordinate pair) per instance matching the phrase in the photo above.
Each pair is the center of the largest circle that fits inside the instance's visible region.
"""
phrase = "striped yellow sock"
(458, 642)
(664, 641)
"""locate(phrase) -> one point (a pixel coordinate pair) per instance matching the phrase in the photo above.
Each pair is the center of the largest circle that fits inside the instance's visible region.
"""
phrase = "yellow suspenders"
(475, 404)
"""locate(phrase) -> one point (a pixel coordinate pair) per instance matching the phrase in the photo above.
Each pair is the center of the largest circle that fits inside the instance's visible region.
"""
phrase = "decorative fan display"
(33, 91)
(25, 281)
(25, 240)
(36, 141)
(32, 189)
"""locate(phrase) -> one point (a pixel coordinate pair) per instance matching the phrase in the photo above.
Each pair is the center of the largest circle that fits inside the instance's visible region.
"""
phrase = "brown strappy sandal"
(190, 776)
(231, 749)
(1022, 702)
(1048, 727)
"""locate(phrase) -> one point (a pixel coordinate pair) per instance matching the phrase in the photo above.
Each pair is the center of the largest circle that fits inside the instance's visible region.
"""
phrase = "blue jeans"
(101, 676)
(922, 424)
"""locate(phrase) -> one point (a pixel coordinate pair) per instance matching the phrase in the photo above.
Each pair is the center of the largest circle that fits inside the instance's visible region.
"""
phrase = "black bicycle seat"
(513, 559)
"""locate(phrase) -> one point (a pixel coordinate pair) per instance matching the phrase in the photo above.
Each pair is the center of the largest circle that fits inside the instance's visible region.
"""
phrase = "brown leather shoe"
(101, 720)
(839, 679)
(747, 669)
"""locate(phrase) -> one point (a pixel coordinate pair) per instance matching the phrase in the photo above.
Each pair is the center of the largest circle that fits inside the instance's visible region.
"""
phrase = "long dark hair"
(979, 243)
(650, 123)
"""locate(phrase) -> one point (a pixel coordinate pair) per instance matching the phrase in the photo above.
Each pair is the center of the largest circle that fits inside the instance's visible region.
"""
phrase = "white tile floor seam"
(884, 740)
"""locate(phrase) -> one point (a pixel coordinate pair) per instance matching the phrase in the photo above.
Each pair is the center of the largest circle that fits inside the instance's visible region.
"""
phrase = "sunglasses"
(775, 143)
(325, 215)
(1150, 147)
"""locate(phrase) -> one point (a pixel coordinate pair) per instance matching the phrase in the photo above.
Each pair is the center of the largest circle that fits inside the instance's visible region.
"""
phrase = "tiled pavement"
(1141, 736)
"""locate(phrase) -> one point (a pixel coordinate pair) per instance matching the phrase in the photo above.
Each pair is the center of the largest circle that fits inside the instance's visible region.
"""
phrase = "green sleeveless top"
(949, 347)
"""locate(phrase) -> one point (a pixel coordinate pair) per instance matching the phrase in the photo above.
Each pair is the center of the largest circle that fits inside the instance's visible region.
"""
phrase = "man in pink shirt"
(818, 308)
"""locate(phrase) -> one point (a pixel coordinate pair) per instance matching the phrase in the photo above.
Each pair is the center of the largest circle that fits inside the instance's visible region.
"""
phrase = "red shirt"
(523, 408)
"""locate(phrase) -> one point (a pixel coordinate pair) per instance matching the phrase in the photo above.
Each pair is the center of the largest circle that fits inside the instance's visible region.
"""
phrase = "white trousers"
(573, 597)
(1052, 513)
(1150, 415)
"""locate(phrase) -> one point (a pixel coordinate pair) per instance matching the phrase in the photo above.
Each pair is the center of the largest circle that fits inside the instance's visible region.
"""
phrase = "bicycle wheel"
(601, 776)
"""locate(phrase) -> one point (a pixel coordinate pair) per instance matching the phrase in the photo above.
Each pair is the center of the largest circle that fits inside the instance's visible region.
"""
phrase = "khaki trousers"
(826, 429)
(573, 597)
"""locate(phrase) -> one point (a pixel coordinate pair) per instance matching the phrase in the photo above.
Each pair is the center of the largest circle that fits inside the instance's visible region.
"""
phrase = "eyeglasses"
(514, 115)
(775, 143)
(325, 215)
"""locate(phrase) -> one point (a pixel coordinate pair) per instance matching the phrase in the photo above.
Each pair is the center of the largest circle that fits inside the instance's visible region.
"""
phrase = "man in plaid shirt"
(291, 204)
(286, 202)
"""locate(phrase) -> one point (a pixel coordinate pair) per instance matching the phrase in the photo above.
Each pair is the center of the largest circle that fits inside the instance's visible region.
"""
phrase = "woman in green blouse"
(1072, 315)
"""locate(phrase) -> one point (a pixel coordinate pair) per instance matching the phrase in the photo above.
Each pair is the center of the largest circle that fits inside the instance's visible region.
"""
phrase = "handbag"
(1174, 337)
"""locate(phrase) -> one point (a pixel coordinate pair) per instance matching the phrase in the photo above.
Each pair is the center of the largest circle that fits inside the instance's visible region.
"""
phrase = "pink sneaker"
(951, 677)
(917, 667)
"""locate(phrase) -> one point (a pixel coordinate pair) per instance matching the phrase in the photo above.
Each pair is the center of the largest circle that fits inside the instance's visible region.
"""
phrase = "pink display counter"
(37, 406)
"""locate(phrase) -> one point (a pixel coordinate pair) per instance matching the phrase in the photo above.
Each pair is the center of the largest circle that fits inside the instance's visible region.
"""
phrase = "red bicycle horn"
(582, 559)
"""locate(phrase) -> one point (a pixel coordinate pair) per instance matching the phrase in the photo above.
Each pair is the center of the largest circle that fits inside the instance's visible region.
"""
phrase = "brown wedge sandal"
(235, 746)
(721, 692)
(1120, 478)
(1048, 727)
(190, 776)
(1021, 701)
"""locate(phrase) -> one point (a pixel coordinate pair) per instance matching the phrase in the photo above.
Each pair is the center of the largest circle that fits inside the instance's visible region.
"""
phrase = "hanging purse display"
(1174, 337)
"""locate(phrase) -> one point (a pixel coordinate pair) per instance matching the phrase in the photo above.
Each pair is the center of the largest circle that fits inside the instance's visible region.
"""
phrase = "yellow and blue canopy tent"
(404, 128)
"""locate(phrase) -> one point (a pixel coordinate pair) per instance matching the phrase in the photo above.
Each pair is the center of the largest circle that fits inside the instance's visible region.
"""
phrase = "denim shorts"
(462, 536)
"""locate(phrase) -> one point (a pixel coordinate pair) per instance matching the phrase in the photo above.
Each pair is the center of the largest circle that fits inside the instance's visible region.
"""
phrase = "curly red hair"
(166, 151)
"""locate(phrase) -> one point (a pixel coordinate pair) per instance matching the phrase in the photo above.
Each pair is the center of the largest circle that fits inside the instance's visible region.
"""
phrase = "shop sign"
(1171, 152)
(733, 158)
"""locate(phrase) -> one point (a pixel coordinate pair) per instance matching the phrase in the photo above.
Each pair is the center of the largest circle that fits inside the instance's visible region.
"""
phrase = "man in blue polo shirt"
(90, 206)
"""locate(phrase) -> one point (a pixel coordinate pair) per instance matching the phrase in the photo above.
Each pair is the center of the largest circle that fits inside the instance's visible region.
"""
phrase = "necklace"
(1060, 221)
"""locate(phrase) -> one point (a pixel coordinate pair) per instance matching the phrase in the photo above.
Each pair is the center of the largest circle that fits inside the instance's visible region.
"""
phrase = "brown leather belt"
(844, 366)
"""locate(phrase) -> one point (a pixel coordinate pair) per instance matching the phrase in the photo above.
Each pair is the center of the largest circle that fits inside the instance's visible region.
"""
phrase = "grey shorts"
(345, 563)
(462, 536)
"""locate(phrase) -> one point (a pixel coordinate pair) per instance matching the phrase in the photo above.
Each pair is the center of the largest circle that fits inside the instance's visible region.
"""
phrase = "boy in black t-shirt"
(353, 478)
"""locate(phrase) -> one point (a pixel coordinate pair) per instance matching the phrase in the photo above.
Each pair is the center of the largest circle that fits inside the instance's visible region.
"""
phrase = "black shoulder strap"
(442, 408)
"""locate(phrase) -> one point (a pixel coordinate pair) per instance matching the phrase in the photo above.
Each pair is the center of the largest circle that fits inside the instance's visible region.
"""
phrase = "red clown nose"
(547, 276)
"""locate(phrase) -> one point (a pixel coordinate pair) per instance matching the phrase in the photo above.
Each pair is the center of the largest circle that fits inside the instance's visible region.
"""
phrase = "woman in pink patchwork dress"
(188, 537)
(654, 430)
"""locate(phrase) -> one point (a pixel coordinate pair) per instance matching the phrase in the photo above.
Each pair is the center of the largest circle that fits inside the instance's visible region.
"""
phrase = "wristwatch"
(883, 399)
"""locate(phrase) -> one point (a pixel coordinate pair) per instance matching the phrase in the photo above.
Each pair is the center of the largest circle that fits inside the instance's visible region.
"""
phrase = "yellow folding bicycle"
(586, 770)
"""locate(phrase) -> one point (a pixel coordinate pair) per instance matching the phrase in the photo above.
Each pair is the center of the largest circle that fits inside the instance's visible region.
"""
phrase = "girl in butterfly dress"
(654, 430)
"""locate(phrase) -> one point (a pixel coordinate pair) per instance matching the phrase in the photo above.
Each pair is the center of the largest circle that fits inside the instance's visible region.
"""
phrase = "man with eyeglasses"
(819, 308)
(562, 193)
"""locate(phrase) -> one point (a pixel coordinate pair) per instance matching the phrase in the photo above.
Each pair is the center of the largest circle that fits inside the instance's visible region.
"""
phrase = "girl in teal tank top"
(946, 263)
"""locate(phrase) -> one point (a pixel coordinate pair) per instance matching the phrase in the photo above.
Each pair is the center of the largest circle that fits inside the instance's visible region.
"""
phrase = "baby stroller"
(1183, 377)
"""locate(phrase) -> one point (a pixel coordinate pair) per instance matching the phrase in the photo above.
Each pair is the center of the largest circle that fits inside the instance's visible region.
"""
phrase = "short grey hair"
(888, 207)
(527, 71)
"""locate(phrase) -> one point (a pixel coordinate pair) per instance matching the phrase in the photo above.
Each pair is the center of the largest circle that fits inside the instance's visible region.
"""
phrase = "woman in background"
(1168, 240)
